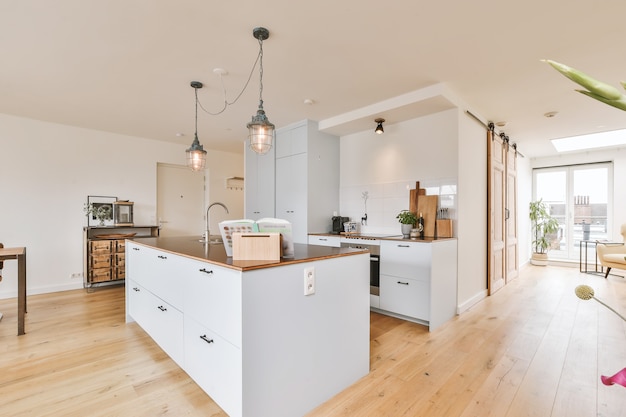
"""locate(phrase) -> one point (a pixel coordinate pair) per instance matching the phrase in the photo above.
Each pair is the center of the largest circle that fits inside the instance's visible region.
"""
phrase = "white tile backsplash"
(386, 200)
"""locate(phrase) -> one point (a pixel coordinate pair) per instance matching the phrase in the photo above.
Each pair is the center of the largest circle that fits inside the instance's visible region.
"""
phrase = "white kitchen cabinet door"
(409, 297)
(259, 191)
(213, 298)
(159, 272)
(162, 321)
(406, 259)
(291, 140)
(291, 194)
(215, 365)
(334, 241)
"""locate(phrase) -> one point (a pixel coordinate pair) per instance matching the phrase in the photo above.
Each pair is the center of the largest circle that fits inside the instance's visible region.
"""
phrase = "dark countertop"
(191, 247)
(378, 236)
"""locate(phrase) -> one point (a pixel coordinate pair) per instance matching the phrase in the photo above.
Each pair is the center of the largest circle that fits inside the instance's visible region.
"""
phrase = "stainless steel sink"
(213, 240)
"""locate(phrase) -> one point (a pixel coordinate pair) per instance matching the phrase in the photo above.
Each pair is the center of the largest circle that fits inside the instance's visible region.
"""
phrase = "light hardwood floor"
(532, 349)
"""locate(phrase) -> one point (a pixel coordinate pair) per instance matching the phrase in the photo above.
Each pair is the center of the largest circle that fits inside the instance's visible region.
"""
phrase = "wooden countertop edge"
(249, 265)
(391, 238)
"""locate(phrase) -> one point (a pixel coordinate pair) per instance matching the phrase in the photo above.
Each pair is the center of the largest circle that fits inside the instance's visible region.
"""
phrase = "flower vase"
(406, 230)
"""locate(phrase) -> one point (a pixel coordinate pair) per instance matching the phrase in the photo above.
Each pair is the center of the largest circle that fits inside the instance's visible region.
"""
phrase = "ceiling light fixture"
(379, 128)
(261, 131)
(196, 155)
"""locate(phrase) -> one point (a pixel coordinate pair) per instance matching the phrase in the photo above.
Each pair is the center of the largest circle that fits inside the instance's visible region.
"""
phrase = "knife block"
(444, 228)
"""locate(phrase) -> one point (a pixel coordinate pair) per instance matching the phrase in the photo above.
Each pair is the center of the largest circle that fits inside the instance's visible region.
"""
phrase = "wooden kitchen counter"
(191, 247)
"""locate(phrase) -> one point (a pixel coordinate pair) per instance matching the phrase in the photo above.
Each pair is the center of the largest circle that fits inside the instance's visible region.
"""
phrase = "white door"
(180, 201)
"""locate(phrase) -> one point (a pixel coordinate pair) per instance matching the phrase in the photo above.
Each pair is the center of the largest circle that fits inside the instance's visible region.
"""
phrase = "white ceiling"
(125, 65)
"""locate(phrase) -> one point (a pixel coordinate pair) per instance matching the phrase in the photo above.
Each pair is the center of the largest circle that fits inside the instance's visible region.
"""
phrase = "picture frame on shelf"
(100, 204)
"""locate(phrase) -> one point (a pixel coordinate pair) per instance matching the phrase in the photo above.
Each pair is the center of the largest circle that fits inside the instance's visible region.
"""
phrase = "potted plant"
(543, 226)
(101, 212)
(407, 221)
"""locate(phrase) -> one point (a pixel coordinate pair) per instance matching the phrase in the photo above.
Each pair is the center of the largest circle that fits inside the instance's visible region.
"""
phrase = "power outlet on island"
(309, 280)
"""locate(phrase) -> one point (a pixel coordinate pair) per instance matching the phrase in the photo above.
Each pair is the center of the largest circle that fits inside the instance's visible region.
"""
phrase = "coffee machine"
(338, 222)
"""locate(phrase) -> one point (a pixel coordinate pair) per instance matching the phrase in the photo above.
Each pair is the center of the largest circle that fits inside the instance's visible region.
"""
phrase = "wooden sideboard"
(104, 252)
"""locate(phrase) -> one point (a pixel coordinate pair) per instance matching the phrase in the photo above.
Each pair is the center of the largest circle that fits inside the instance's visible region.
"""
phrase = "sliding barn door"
(497, 232)
(512, 261)
(502, 186)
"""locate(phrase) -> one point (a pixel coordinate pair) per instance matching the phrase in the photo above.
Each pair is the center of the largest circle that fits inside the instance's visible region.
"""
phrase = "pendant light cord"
(195, 88)
(259, 57)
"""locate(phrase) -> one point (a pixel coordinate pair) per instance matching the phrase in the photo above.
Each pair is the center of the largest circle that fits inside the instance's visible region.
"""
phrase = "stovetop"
(369, 236)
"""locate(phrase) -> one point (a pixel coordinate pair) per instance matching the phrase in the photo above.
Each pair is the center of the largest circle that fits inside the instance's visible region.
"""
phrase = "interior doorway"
(180, 201)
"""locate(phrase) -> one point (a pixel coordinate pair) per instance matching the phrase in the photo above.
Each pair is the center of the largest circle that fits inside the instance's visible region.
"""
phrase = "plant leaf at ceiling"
(595, 89)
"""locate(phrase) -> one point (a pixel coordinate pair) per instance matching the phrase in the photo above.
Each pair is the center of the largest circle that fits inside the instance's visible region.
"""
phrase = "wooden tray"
(115, 236)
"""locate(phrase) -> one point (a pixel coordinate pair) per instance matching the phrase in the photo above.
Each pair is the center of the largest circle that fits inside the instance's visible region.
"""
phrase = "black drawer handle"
(403, 283)
(206, 271)
(206, 339)
(162, 308)
(323, 240)
(135, 248)
(162, 257)
(136, 289)
(403, 246)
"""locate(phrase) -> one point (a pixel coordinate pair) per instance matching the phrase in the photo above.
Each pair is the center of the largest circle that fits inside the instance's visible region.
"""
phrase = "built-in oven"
(373, 245)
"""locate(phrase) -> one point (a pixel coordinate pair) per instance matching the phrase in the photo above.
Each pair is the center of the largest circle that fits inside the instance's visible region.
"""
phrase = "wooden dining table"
(20, 255)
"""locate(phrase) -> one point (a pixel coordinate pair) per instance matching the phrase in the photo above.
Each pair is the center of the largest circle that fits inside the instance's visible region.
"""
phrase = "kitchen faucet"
(208, 233)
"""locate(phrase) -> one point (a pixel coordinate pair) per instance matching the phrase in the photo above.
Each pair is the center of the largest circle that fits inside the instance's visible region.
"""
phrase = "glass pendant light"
(261, 131)
(196, 155)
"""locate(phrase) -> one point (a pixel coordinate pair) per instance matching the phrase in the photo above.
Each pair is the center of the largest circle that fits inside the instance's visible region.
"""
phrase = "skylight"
(591, 141)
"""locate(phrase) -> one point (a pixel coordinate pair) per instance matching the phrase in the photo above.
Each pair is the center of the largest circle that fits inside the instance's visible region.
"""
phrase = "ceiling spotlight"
(550, 114)
(379, 128)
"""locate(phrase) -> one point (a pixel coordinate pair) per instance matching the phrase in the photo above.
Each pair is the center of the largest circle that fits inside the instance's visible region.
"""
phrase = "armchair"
(612, 255)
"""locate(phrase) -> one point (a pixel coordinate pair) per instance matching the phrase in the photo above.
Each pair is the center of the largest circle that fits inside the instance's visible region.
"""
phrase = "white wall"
(387, 166)
(473, 212)
(524, 196)
(47, 171)
(447, 153)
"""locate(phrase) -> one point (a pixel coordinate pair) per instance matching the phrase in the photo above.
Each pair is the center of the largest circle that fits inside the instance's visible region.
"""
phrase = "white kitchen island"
(244, 330)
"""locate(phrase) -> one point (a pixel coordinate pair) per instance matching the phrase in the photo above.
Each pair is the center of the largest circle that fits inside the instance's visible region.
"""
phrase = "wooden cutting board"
(427, 205)
(414, 196)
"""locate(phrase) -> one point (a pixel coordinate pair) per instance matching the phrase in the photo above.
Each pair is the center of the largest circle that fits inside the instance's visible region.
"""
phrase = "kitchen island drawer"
(213, 298)
(160, 272)
(162, 321)
(215, 365)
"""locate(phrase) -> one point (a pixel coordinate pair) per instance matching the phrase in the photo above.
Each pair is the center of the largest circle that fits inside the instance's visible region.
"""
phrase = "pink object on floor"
(618, 378)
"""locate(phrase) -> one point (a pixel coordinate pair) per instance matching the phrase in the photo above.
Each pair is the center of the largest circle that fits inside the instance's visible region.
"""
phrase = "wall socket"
(309, 280)
(76, 275)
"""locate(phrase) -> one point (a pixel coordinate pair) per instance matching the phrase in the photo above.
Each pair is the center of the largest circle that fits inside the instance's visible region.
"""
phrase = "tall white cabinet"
(259, 186)
(307, 178)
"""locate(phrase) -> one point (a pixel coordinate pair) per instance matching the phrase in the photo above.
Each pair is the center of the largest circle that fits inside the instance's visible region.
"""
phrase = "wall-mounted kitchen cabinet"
(259, 184)
(307, 178)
